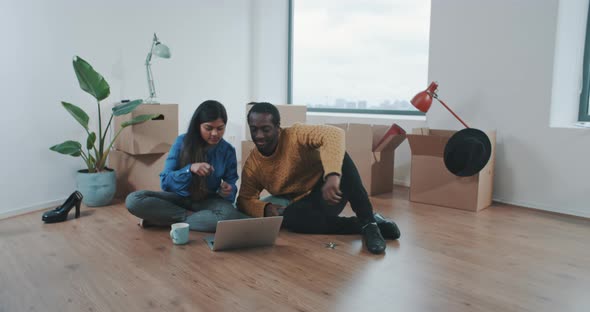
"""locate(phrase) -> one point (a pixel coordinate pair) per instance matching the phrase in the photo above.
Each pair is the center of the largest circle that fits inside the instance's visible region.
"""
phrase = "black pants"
(312, 214)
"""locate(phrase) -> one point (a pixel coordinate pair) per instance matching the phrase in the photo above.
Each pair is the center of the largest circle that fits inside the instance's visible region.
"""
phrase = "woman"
(198, 180)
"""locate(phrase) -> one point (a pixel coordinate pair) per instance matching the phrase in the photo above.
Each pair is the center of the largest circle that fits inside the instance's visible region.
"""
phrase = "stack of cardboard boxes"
(141, 150)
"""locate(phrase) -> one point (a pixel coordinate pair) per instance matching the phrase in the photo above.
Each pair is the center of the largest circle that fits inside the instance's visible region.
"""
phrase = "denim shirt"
(222, 157)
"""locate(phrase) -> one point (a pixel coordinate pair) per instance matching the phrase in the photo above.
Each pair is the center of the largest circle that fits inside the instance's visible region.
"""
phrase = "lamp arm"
(148, 59)
(150, 80)
(148, 68)
(445, 105)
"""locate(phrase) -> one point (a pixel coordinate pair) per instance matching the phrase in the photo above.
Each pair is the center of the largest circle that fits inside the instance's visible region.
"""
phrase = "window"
(584, 102)
(367, 56)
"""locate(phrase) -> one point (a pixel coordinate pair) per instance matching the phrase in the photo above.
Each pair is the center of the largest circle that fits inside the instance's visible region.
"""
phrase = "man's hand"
(331, 190)
(272, 210)
(202, 169)
(225, 189)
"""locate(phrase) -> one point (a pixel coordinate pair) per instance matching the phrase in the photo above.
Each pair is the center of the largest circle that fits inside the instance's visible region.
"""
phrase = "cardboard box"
(375, 167)
(136, 172)
(290, 114)
(432, 183)
(247, 147)
(150, 137)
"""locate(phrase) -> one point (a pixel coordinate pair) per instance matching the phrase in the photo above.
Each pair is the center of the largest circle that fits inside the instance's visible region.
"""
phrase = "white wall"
(211, 59)
(270, 34)
(494, 61)
(496, 71)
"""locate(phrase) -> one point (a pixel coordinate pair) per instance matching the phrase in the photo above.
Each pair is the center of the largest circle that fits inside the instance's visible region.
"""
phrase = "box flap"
(390, 140)
(426, 141)
(358, 136)
(432, 145)
(390, 143)
(423, 131)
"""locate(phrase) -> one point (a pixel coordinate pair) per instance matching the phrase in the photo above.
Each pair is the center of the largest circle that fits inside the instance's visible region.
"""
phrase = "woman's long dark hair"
(194, 146)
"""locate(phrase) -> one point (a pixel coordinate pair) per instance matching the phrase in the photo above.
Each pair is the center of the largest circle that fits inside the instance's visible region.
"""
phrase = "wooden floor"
(502, 259)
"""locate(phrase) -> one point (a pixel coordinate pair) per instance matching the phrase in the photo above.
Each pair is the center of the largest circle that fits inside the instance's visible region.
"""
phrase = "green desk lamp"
(160, 50)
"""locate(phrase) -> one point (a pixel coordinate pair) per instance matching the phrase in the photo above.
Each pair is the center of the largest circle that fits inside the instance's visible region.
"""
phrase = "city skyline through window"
(349, 54)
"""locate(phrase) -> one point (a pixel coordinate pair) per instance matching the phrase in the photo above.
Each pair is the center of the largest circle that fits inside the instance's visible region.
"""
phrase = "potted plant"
(97, 183)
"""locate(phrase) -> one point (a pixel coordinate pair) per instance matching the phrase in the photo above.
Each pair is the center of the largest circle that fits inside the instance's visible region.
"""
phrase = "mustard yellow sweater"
(304, 154)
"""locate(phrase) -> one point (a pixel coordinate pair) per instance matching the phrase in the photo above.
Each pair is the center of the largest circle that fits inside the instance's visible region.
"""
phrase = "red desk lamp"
(468, 150)
(423, 100)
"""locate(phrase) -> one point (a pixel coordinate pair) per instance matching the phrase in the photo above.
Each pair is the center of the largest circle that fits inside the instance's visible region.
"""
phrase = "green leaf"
(139, 119)
(126, 108)
(78, 114)
(72, 148)
(91, 161)
(90, 141)
(90, 81)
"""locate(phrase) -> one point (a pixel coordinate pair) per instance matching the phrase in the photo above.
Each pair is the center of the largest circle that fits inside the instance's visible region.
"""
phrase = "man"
(308, 168)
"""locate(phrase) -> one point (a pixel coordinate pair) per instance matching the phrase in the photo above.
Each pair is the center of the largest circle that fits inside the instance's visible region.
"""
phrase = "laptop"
(245, 233)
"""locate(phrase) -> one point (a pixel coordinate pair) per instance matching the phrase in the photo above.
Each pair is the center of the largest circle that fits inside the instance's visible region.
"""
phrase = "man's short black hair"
(265, 107)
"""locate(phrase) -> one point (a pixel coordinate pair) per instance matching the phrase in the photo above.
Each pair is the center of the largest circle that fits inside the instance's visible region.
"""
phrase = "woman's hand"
(202, 169)
(225, 189)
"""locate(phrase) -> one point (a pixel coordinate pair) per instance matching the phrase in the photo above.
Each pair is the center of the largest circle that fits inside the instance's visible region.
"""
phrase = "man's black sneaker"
(388, 228)
(373, 239)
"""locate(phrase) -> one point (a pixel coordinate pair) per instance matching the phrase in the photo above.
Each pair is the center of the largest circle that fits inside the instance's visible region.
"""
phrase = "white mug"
(179, 233)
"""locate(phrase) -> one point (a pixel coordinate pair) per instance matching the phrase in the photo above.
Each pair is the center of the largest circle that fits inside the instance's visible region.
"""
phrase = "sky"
(371, 50)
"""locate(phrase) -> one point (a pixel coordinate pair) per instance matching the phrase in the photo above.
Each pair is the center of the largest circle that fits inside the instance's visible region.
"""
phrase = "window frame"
(329, 110)
(583, 114)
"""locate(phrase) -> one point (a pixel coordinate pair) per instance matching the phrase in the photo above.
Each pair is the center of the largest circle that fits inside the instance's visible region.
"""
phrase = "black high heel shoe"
(60, 213)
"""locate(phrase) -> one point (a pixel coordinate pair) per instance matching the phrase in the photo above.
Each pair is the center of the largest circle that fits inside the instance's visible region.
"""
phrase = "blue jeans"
(165, 208)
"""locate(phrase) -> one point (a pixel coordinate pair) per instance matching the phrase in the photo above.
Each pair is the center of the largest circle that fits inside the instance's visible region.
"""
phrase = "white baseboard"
(537, 206)
(36, 207)
(405, 183)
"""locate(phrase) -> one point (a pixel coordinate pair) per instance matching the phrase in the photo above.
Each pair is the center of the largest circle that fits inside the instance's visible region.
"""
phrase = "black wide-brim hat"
(467, 152)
